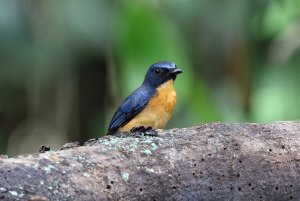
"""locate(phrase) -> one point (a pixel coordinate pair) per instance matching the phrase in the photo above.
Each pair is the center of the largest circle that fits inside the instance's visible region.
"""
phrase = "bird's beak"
(176, 71)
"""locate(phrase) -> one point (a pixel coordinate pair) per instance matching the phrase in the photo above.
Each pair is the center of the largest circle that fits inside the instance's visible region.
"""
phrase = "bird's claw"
(142, 131)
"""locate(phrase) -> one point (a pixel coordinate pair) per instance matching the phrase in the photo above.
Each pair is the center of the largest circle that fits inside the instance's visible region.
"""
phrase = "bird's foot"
(151, 132)
(142, 131)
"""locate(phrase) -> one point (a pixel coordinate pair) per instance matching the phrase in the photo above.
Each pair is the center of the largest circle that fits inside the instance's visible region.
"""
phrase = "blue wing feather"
(132, 106)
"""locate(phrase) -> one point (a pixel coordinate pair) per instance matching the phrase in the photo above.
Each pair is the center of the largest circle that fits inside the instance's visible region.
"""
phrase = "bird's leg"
(142, 131)
(151, 132)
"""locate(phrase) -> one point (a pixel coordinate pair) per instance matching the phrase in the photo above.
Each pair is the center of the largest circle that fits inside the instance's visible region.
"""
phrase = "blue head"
(161, 72)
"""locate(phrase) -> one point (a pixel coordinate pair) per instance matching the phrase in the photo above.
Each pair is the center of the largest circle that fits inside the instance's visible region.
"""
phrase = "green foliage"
(279, 15)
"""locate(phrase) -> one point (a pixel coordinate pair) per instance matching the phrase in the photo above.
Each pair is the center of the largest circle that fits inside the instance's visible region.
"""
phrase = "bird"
(151, 105)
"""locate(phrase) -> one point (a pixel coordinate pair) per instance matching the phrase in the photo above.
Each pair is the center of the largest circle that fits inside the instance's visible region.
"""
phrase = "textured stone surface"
(215, 161)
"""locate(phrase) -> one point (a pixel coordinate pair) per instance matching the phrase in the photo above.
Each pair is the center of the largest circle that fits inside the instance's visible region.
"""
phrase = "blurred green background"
(65, 66)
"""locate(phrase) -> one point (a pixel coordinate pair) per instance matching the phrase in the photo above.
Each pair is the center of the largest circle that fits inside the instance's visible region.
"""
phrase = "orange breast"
(158, 110)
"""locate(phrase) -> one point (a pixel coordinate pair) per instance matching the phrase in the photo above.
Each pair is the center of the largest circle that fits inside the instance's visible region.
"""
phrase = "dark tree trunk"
(215, 161)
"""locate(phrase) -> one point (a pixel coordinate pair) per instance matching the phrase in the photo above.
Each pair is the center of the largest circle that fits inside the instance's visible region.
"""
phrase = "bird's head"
(161, 72)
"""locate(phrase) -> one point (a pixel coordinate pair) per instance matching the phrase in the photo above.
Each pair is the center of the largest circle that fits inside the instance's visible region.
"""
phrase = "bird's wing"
(132, 105)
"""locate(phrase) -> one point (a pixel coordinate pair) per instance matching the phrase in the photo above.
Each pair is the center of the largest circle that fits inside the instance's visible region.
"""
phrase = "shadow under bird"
(151, 105)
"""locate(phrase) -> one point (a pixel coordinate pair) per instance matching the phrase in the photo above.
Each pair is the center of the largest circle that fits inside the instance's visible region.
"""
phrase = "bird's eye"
(157, 71)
